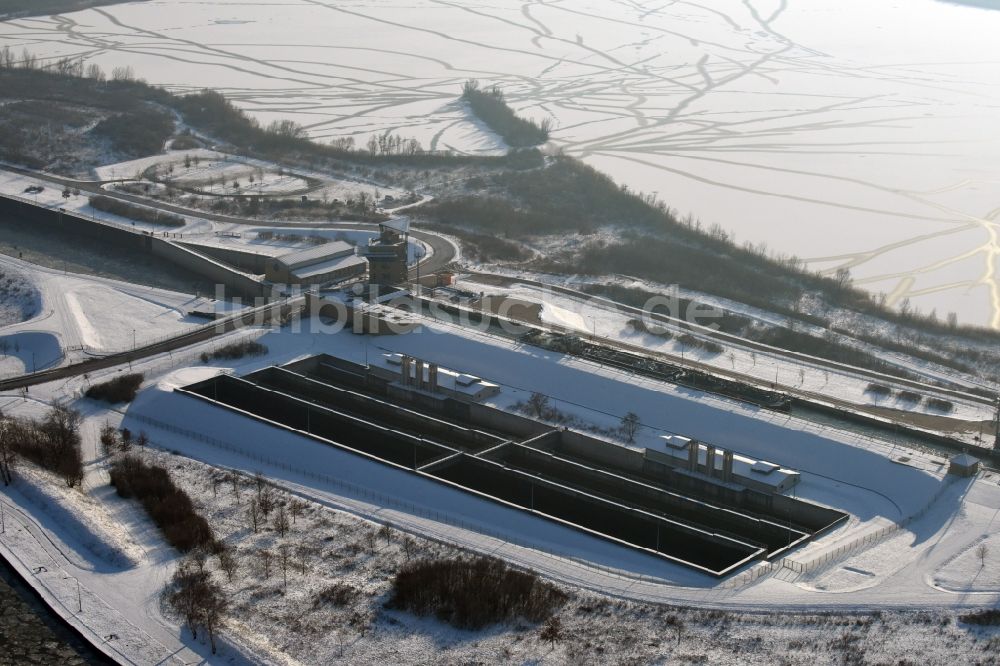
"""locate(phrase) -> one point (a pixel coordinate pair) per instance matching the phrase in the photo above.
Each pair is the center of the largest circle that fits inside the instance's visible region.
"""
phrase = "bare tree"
(982, 551)
(538, 404)
(281, 521)
(409, 545)
(229, 563)
(386, 533)
(198, 599)
(370, 539)
(265, 562)
(266, 499)
(342, 638)
(142, 441)
(123, 74)
(675, 622)
(213, 611)
(6, 453)
(296, 508)
(235, 479)
(253, 513)
(109, 439)
(284, 559)
(184, 597)
(304, 553)
(630, 425)
(552, 631)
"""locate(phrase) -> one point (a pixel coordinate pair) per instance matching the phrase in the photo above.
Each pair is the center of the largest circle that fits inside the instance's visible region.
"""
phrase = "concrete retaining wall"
(248, 262)
(241, 284)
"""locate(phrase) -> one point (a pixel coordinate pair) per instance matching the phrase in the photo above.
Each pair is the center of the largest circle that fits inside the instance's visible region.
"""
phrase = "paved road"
(749, 345)
(206, 332)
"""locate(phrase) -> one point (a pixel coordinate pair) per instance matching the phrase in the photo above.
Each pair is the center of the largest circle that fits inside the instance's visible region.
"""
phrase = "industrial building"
(964, 465)
(330, 262)
(414, 374)
(681, 452)
(387, 254)
(394, 409)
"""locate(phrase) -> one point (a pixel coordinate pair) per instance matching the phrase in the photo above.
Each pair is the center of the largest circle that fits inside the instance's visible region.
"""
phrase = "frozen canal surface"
(857, 133)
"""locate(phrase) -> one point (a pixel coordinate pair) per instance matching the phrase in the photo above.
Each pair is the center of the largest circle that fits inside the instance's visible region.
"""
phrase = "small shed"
(963, 465)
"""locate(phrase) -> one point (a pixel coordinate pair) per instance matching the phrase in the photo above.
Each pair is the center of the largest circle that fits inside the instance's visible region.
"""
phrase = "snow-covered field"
(852, 134)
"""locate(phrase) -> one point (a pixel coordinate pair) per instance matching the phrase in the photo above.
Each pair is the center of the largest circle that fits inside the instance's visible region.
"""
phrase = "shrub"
(639, 325)
(713, 347)
(911, 396)
(473, 593)
(52, 443)
(133, 212)
(338, 594)
(983, 618)
(138, 132)
(879, 390)
(239, 350)
(167, 505)
(118, 390)
(941, 404)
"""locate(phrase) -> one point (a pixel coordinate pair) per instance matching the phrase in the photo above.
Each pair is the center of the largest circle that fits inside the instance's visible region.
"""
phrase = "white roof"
(466, 380)
(447, 378)
(328, 266)
(400, 224)
(676, 441)
(743, 467)
(965, 460)
(763, 467)
(316, 254)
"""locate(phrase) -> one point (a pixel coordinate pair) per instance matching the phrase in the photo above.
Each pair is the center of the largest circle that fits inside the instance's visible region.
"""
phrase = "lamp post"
(996, 439)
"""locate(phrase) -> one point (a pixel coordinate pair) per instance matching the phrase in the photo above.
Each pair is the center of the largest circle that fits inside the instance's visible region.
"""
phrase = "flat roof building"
(417, 375)
(679, 452)
(330, 262)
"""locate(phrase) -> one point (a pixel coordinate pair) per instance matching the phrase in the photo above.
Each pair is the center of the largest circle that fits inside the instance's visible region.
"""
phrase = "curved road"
(443, 251)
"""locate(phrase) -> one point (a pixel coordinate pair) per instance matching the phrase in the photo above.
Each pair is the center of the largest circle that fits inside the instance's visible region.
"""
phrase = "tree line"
(135, 212)
(490, 106)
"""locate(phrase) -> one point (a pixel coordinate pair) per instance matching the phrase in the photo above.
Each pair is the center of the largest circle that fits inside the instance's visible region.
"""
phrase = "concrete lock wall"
(618, 457)
(494, 419)
(74, 223)
(131, 241)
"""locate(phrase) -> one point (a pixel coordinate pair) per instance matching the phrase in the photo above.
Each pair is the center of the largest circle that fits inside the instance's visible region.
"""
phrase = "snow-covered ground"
(81, 315)
(19, 300)
(594, 316)
(51, 196)
(924, 566)
(851, 134)
(212, 172)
